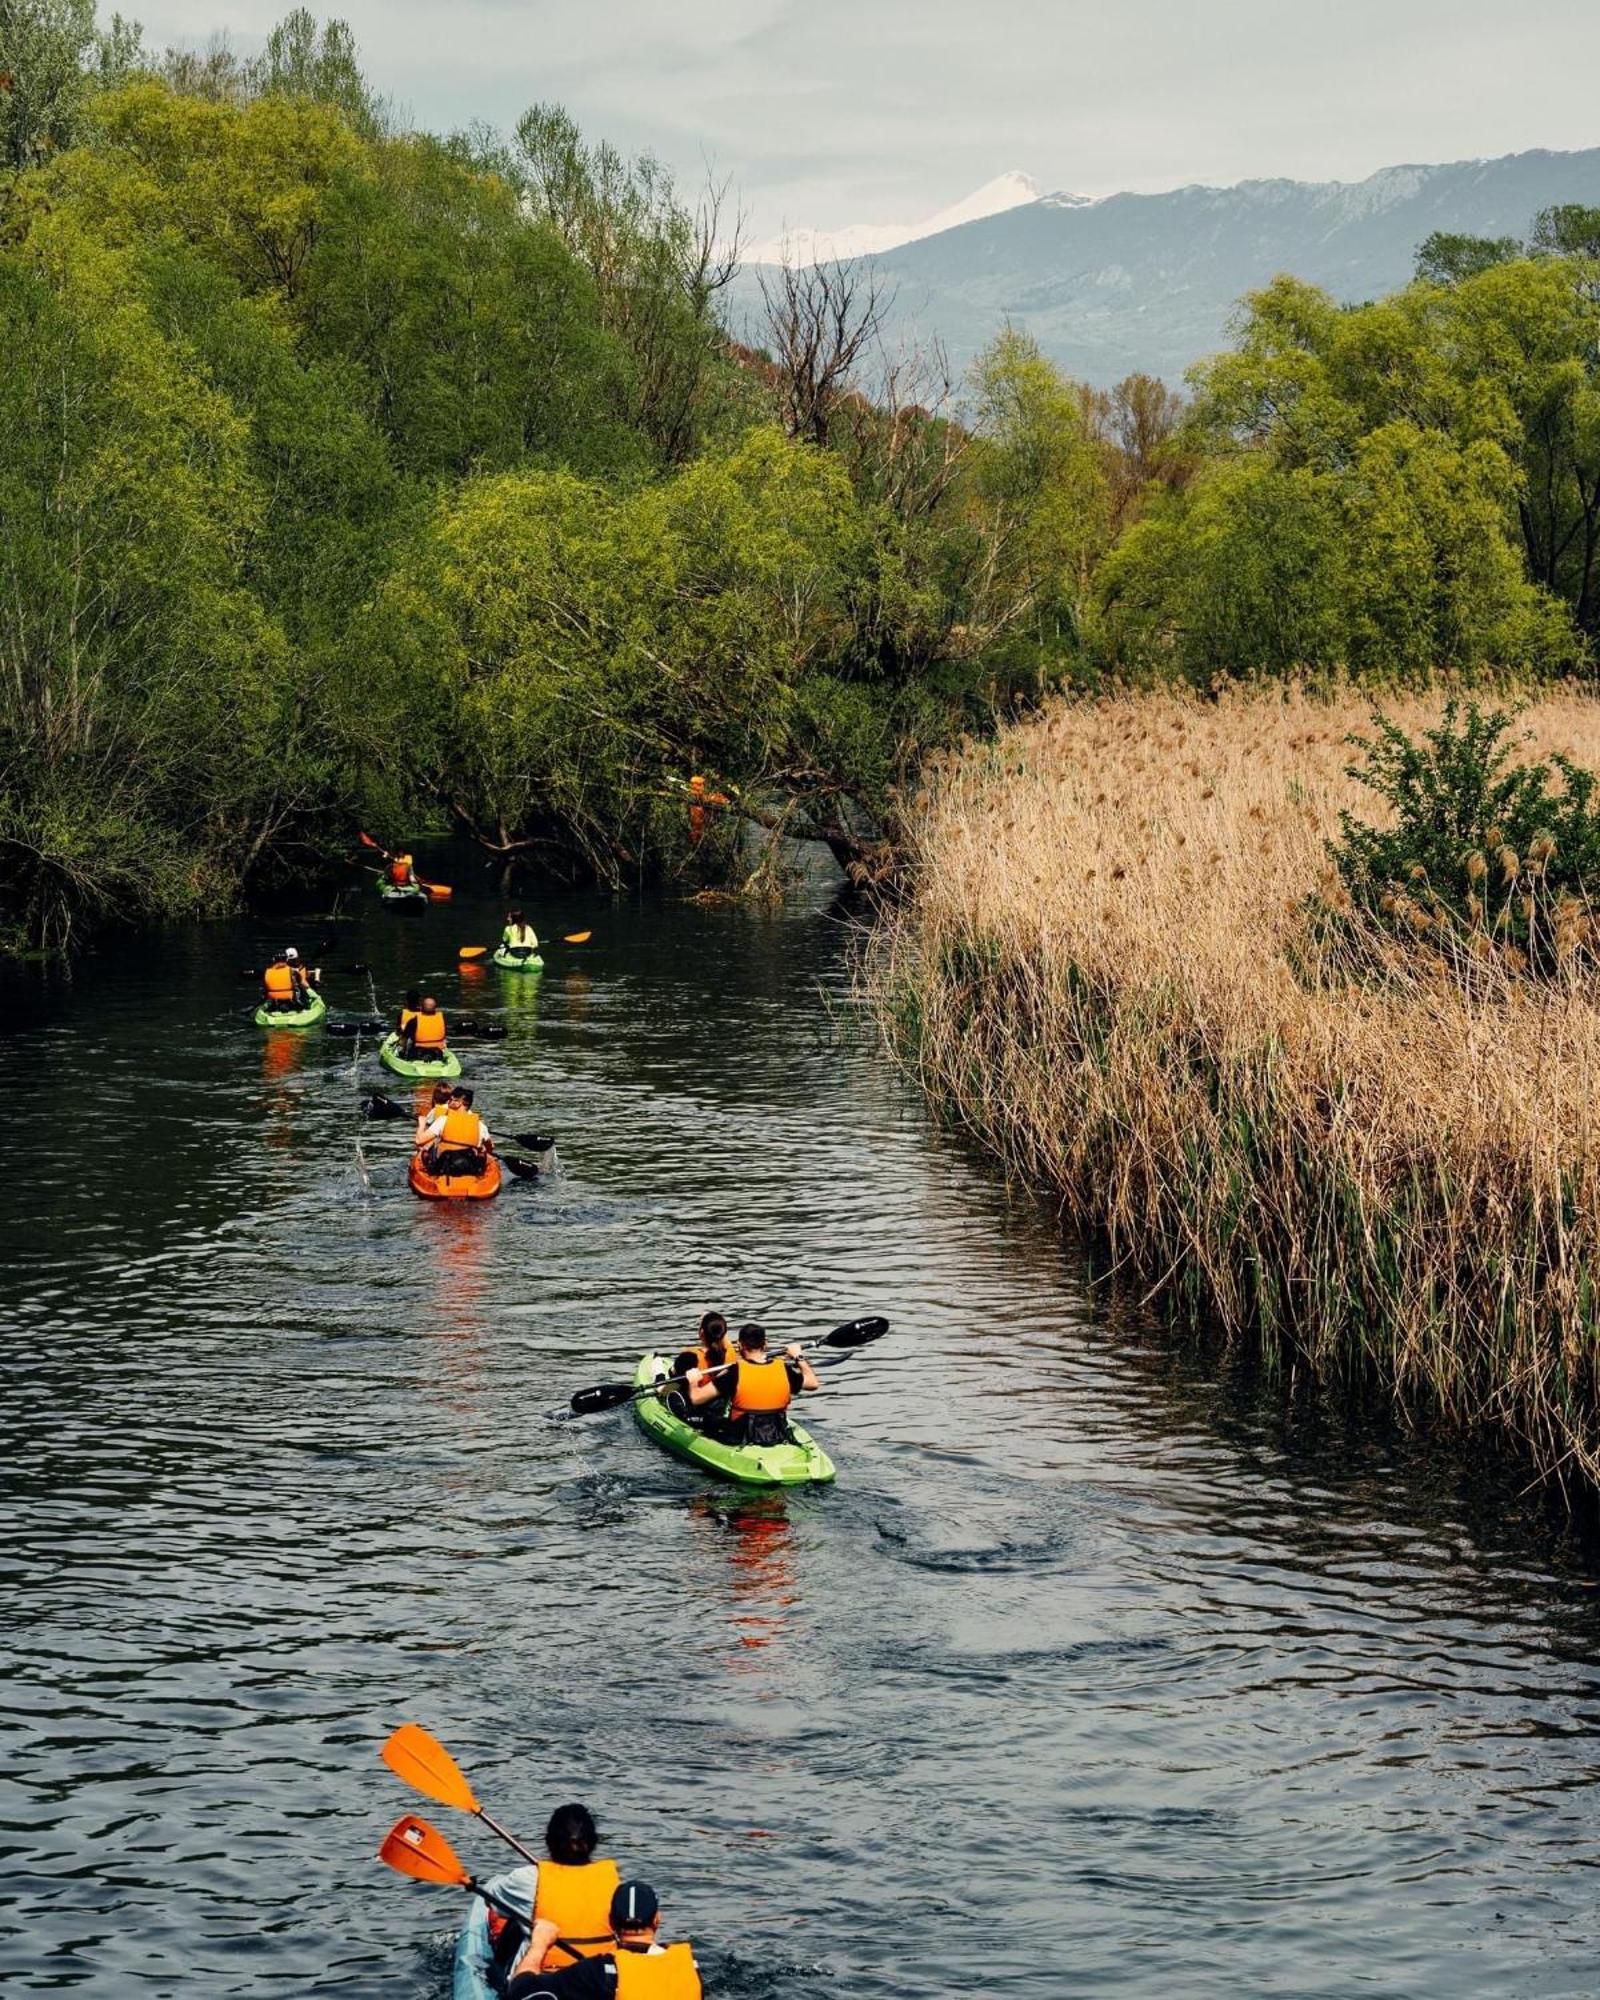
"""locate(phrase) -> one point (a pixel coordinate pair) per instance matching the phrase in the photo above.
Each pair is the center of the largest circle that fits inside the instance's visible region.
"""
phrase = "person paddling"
(519, 936)
(422, 1039)
(634, 1966)
(408, 1011)
(401, 871)
(712, 1346)
(457, 1139)
(285, 987)
(572, 1897)
(758, 1387)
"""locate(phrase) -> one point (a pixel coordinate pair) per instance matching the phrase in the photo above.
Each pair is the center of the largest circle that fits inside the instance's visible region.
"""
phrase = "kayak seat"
(462, 1162)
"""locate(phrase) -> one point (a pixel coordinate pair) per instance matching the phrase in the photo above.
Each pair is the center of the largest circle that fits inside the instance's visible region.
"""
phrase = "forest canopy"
(354, 475)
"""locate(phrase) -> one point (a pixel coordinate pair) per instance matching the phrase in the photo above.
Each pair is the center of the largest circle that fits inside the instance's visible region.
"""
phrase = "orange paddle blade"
(441, 892)
(367, 840)
(473, 951)
(578, 937)
(412, 1847)
(420, 1760)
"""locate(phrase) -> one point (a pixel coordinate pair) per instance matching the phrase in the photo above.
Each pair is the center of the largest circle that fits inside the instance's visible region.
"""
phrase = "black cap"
(633, 1907)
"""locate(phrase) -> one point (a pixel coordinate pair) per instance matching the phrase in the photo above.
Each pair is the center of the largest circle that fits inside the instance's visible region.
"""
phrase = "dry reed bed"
(1107, 970)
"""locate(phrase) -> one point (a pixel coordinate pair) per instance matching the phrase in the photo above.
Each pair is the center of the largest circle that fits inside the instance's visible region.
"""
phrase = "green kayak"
(301, 1017)
(802, 1462)
(394, 892)
(389, 1055)
(511, 960)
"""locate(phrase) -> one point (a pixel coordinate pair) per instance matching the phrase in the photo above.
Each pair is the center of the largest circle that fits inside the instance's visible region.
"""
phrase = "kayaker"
(712, 1346)
(459, 1141)
(636, 1965)
(403, 1020)
(759, 1387)
(285, 986)
(400, 870)
(423, 1037)
(572, 1898)
(519, 936)
(429, 1121)
(699, 800)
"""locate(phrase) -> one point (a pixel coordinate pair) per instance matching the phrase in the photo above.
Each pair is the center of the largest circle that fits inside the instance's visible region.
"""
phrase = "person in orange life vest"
(712, 1346)
(422, 1039)
(635, 1965)
(400, 870)
(458, 1141)
(712, 1351)
(428, 1121)
(285, 986)
(758, 1387)
(699, 799)
(572, 1896)
(413, 1001)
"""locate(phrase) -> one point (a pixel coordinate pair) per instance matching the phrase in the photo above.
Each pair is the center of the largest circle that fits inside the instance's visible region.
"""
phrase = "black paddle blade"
(523, 1170)
(604, 1396)
(379, 1106)
(855, 1333)
(532, 1142)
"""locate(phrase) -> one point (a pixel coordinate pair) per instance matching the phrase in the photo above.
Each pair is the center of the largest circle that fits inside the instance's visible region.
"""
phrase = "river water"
(1100, 1670)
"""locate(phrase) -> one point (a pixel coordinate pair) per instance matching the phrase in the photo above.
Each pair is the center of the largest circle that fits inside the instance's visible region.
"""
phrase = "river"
(1102, 1669)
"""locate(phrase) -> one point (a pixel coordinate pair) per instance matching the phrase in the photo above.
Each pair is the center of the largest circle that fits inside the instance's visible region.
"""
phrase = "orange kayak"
(455, 1187)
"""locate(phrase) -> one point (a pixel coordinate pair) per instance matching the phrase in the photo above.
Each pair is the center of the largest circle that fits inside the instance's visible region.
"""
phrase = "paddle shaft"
(510, 1839)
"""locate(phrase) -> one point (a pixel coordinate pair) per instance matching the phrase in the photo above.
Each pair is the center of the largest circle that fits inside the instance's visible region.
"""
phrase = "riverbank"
(1107, 970)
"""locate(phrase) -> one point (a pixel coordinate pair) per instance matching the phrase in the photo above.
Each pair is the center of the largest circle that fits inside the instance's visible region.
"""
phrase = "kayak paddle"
(412, 1847)
(379, 1106)
(613, 1395)
(420, 1760)
(471, 952)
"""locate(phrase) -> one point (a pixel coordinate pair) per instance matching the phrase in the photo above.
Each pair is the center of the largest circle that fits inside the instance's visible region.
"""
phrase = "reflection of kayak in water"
(455, 1187)
(800, 1461)
(475, 1963)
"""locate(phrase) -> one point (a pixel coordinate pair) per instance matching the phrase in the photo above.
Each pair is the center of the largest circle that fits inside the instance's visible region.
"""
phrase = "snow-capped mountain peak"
(867, 239)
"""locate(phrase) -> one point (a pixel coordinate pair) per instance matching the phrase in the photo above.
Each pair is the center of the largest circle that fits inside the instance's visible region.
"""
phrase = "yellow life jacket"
(761, 1385)
(279, 982)
(668, 1975)
(576, 1898)
(521, 937)
(427, 1030)
(462, 1132)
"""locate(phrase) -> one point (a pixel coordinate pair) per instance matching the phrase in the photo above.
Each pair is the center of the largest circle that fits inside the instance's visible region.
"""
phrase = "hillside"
(1149, 281)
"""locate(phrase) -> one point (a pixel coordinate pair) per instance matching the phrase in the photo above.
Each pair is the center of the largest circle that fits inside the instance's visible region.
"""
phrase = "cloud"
(843, 111)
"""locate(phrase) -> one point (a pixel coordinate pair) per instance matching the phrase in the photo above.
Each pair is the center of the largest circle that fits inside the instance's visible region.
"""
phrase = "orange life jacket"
(667, 1975)
(761, 1385)
(576, 1898)
(462, 1131)
(704, 1355)
(400, 871)
(279, 982)
(427, 1030)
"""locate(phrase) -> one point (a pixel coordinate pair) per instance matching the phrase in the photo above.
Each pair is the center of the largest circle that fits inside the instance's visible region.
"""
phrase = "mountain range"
(1151, 281)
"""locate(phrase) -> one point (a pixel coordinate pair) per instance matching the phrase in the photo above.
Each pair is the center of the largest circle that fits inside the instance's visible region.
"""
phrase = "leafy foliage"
(1480, 852)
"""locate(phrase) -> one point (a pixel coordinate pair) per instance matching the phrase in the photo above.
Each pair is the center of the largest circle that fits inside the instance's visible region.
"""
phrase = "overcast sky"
(827, 112)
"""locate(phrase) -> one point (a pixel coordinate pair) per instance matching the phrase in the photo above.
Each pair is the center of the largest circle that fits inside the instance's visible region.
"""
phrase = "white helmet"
(291, 953)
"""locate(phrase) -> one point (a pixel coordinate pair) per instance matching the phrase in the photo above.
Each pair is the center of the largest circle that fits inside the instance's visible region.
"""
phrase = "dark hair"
(571, 1835)
(713, 1327)
(683, 1362)
(464, 1092)
(442, 1093)
(751, 1335)
(513, 916)
(413, 996)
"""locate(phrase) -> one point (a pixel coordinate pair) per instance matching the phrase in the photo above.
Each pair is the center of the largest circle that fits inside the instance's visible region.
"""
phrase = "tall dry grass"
(1107, 969)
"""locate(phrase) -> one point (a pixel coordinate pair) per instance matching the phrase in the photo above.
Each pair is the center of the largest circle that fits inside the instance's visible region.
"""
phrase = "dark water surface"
(1092, 1675)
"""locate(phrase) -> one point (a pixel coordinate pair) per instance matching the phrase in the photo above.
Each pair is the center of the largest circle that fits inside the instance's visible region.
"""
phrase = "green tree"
(1446, 257)
(51, 56)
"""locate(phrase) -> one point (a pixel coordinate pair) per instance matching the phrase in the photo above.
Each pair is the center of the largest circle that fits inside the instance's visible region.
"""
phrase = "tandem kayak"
(511, 959)
(474, 1963)
(299, 1017)
(389, 1055)
(801, 1462)
(455, 1187)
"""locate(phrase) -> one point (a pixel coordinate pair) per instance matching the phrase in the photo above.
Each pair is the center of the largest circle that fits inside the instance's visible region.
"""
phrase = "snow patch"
(869, 239)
